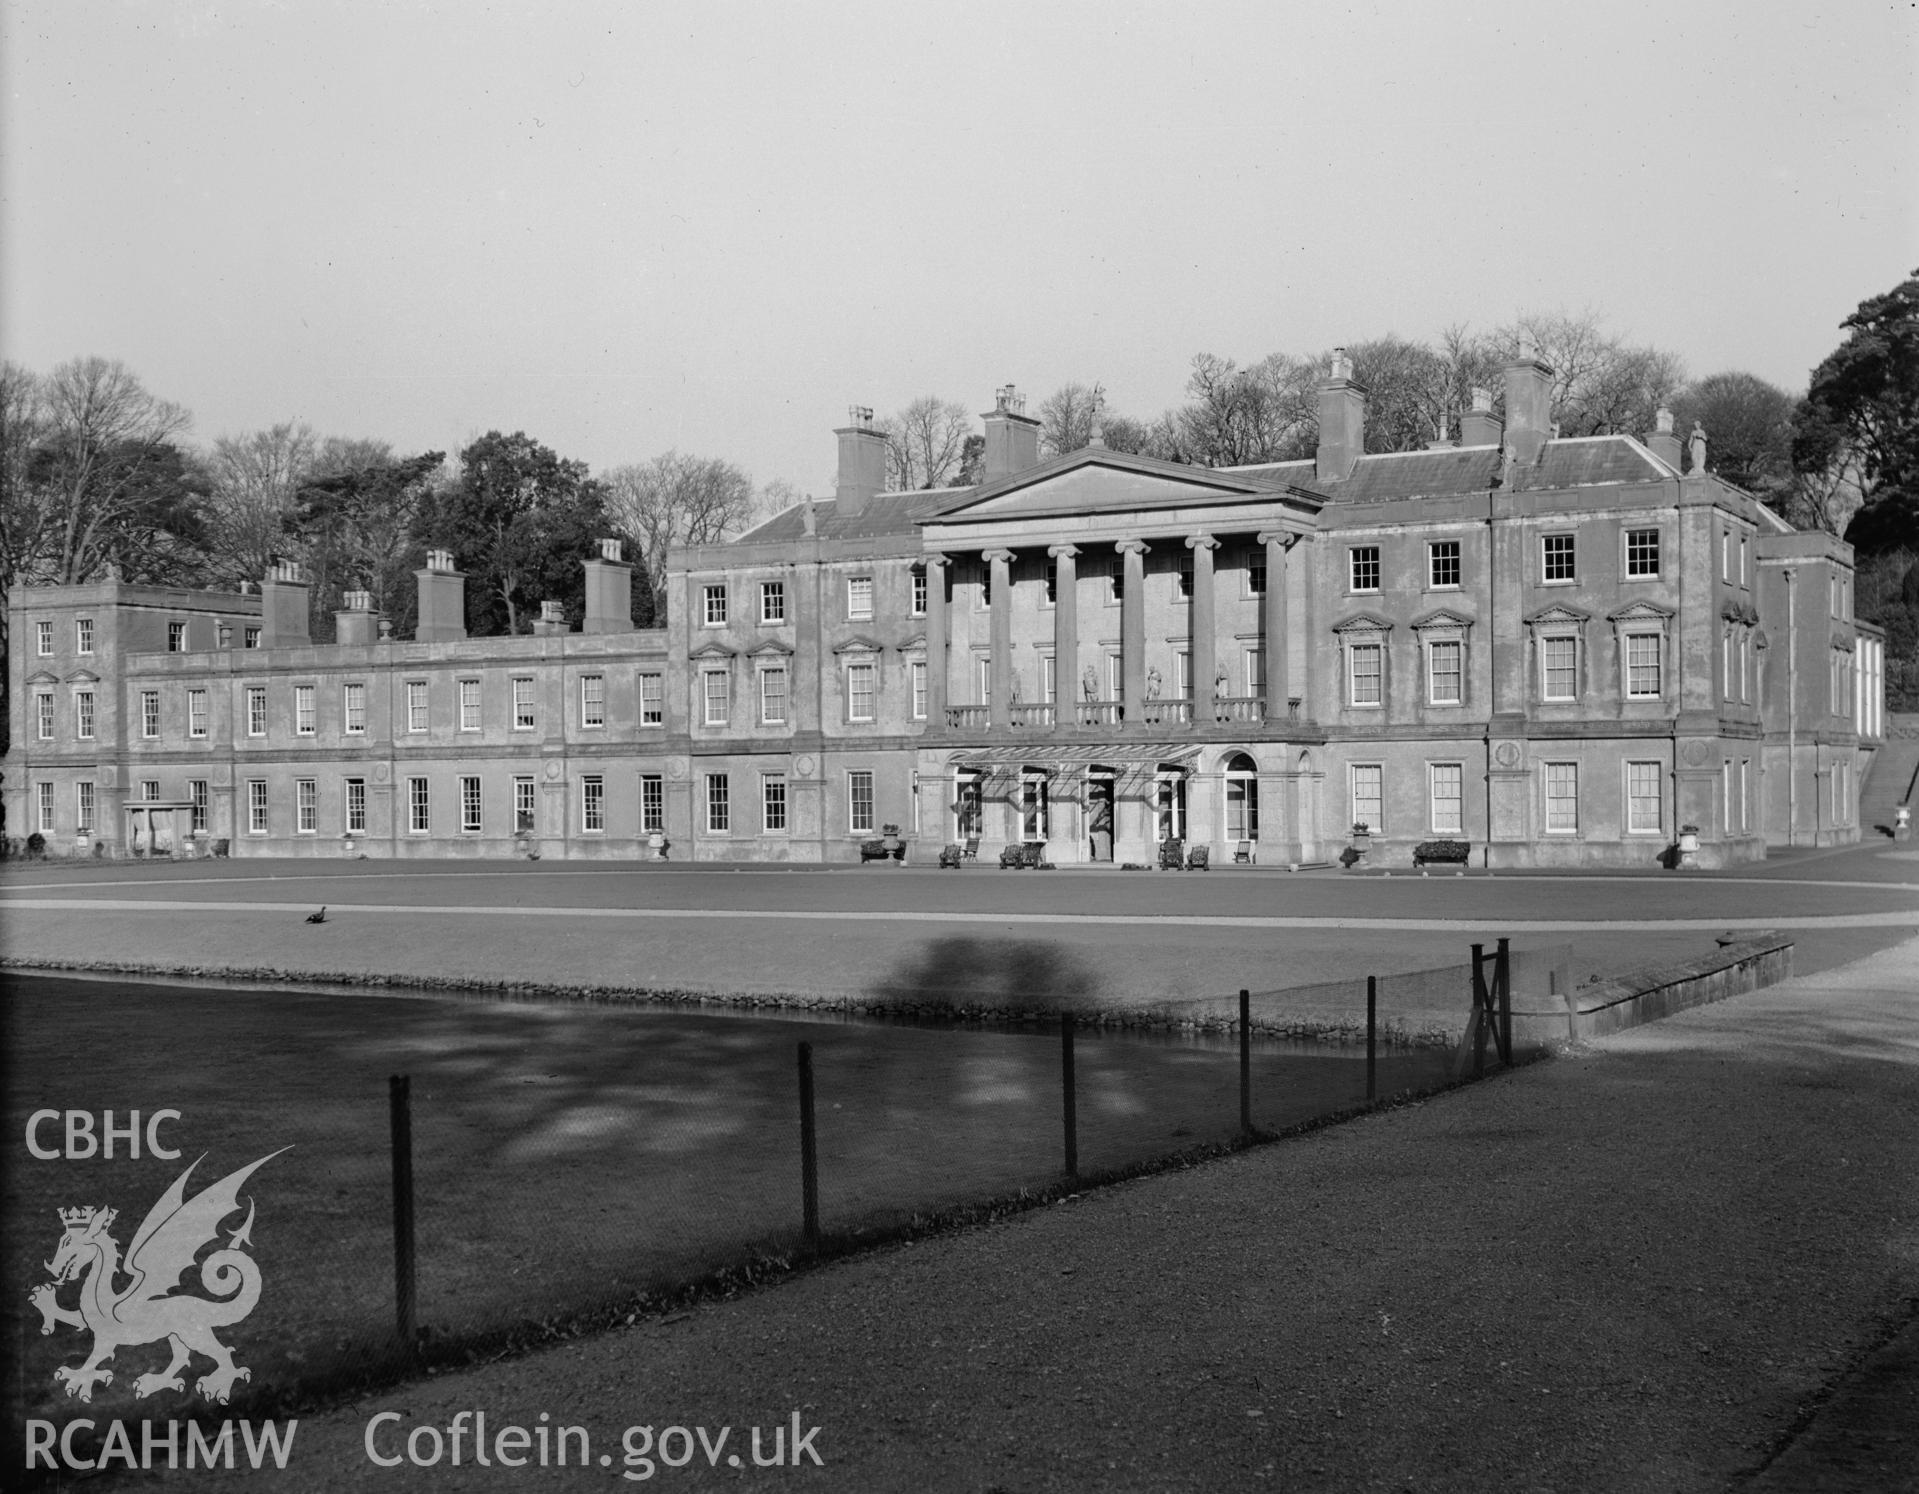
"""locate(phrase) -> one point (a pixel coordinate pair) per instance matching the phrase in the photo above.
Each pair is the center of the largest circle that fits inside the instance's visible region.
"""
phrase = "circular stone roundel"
(379, 772)
(1695, 753)
(676, 767)
(1506, 754)
(803, 766)
(552, 770)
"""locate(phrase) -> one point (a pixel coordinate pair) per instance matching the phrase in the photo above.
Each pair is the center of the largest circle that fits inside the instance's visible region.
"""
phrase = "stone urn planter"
(657, 844)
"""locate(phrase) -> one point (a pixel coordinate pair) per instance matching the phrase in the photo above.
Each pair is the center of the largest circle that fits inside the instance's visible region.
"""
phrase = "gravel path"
(1641, 1266)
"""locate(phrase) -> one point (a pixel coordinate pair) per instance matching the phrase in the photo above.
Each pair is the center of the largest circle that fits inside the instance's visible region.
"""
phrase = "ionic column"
(1272, 622)
(1202, 625)
(1132, 630)
(1065, 634)
(1001, 668)
(936, 642)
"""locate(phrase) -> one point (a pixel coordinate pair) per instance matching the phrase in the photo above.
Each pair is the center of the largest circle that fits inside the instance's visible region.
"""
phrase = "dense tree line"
(97, 478)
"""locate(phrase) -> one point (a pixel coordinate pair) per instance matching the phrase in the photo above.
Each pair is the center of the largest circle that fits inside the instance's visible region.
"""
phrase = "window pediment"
(858, 645)
(43, 677)
(914, 645)
(1441, 619)
(712, 653)
(1362, 622)
(1641, 612)
(769, 649)
(1558, 617)
(83, 677)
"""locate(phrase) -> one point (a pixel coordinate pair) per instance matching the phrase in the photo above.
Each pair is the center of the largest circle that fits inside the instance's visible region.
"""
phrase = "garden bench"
(1023, 857)
(957, 853)
(879, 850)
(1455, 852)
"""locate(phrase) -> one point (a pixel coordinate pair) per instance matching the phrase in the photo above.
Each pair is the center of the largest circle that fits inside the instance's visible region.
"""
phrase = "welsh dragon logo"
(146, 1309)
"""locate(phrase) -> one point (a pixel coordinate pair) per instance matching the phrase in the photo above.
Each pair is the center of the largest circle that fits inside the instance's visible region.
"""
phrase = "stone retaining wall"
(1638, 996)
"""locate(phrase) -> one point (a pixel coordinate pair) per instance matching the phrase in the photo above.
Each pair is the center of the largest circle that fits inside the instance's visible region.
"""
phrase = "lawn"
(564, 1155)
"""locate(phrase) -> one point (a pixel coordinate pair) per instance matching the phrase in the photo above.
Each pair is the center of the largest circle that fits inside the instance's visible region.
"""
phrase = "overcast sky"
(627, 227)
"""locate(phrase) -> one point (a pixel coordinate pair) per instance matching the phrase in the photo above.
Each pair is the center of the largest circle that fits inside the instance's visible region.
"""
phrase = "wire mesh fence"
(572, 1161)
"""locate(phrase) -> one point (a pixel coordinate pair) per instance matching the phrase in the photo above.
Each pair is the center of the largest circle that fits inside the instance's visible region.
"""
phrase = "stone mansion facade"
(1563, 651)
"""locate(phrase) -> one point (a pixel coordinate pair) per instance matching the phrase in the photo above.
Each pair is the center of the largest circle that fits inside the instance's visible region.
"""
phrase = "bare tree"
(677, 500)
(28, 515)
(108, 460)
(256, 479)
(1158, 437)
(1238, 416)
(925, 443)
(1067, 417)
(1826, 497)
(1602, 385)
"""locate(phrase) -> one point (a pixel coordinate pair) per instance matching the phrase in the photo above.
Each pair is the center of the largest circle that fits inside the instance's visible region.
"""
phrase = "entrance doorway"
(1099, 816)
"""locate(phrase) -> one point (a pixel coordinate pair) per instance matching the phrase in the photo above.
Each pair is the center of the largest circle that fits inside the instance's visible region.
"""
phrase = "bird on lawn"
(319, 917)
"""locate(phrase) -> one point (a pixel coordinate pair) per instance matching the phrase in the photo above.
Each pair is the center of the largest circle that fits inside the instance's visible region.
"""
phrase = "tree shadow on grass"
(970, 976)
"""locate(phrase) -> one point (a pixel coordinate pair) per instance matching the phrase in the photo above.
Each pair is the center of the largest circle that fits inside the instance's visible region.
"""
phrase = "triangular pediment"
(1443, 617)
(771, 646)
(914, 645)
(1094, 480)
(1558, 617)
(1362, 622)
(43, 677)
(83, 677)
(859, 644)
(712, 651)
(1641, 612)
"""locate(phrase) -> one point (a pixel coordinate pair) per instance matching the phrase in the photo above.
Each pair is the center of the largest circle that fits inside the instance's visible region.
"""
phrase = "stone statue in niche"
(1089, 684)
(1152, 684)
(1698, 448)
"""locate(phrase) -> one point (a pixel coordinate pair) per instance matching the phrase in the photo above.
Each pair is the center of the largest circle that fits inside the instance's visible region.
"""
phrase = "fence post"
(1372, 1027)
(1066, 1092)
(400, 1113)
(1246, 1062)
(1480, 1004)
(809, 1151)
(1503, 977)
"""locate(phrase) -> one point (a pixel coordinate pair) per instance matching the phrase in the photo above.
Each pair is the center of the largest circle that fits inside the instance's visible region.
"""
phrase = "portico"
(1109, 619)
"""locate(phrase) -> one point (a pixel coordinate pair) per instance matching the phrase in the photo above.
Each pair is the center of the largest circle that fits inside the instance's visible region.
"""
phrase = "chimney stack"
(1012, 436)
(442, 600)
(1663, 443)
(1479, 426)
(1529, 406)
(862, 462)
(355, 622)
(552, 619)
(1342, 421)
(283, 612)
(609, 592)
